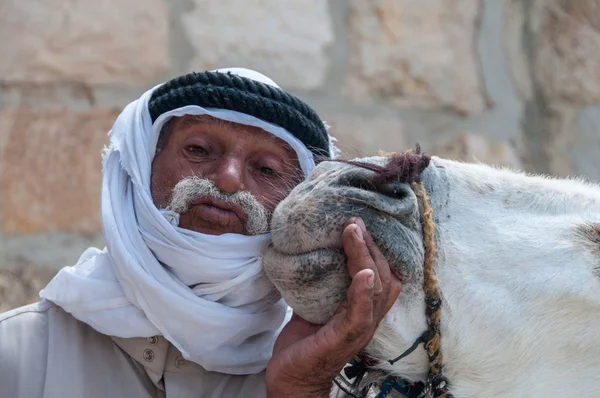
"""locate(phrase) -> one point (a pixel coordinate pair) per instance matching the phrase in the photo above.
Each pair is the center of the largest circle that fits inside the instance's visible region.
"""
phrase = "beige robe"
(46, 352)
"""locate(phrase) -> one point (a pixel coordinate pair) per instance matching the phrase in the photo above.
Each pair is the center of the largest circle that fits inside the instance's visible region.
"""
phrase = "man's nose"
(228, 176)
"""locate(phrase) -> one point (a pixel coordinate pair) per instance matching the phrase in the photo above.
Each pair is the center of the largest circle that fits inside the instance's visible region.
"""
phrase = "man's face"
(236, 158)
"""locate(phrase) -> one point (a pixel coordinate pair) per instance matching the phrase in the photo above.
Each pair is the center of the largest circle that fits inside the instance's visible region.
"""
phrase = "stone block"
(20, 285)
(50, 169)
(52, 250)
(419, 54)
(472, 147)
(93, 42)
(587, 146)
(286, 41)
(517, 59)
(566, 40)
(365, 136)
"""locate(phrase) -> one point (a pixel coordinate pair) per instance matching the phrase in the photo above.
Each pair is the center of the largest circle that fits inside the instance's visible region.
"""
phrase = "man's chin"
(214, 229)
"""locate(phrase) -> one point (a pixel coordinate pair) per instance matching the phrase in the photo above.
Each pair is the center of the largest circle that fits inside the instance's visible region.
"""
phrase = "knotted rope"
(433, 301)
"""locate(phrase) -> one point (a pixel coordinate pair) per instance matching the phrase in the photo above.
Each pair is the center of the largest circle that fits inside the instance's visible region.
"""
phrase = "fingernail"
(358, 232)
(359, 221)
(371, 280)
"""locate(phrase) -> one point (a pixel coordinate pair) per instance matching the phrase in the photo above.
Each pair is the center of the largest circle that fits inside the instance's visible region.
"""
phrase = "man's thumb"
(359, 314)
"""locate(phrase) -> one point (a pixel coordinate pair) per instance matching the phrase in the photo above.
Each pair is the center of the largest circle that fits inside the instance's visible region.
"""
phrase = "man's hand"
(307, 357)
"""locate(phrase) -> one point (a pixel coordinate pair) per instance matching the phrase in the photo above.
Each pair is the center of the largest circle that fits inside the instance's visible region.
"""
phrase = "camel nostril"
(361, 182)
(395, 190)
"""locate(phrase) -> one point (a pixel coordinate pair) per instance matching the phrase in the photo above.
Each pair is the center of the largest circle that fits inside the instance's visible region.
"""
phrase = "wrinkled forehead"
(304, 155)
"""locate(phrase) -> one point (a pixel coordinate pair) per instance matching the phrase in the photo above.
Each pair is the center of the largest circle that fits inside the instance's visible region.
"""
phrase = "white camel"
(518, 262)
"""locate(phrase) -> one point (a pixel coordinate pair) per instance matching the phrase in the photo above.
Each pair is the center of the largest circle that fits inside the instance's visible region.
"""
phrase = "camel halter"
(436, 380)
(436, 384)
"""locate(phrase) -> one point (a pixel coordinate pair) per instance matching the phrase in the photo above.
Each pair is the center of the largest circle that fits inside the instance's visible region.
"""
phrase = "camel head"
(518, 263)
(306, 260)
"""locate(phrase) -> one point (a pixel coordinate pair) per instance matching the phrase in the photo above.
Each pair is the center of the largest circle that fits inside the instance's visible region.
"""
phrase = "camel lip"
(305, 251)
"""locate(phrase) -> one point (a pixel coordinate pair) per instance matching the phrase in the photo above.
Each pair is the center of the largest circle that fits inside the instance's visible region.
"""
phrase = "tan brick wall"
(511, 82)
(416, 53)
(20, 284)
(288, 39)
(51, 169)
(95, 42)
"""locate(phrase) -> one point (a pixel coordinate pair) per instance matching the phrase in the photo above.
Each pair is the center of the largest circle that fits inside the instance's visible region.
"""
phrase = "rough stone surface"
(50, 169)
(20, 284)
(561, 136)
(513, 47)
(416, 53)
(365, 136)
(500, 81)
(587, 147)
(554, 53)
(53, 250)
(566, 50)
(94, 42)
(471, 147)
(285, 40)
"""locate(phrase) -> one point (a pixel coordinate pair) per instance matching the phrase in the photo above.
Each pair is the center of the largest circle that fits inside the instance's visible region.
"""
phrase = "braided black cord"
(241, 83)
(232, 92)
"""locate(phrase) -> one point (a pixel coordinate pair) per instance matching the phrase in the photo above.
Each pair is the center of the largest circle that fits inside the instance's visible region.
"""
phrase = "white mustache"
(190, 188)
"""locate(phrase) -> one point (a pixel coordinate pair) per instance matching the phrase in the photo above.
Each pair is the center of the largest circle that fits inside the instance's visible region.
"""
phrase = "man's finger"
(357, 252)
(383, 268)
(390, 283)
(359, 314)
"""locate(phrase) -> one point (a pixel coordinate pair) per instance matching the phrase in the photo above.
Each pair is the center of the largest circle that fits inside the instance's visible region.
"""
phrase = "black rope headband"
(240, 94)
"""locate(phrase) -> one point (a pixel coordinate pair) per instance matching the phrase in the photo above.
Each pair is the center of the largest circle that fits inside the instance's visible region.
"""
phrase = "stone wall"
(514, 82)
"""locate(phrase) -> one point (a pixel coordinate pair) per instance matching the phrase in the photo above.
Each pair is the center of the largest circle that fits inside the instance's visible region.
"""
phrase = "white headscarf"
(229, 321)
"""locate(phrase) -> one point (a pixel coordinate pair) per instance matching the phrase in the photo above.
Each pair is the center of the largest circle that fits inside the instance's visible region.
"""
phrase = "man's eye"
(197, 150)
(268, 171)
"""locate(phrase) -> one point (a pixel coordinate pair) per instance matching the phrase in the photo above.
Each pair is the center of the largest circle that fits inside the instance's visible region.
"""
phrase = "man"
(177, 305)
